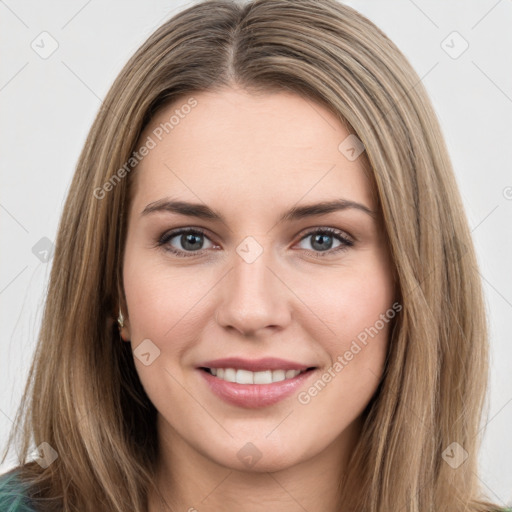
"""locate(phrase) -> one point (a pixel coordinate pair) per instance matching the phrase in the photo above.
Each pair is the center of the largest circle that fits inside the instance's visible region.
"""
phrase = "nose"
(254, 297)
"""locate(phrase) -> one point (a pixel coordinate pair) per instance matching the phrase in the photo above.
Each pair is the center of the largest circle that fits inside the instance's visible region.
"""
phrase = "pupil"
(322, 244)
(189, 241)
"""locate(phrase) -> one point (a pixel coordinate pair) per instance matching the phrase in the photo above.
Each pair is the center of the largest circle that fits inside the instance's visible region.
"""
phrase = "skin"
(251, 158)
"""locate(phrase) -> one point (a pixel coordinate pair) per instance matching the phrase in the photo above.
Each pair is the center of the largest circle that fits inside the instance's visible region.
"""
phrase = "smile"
(248, 377)
(254, 383)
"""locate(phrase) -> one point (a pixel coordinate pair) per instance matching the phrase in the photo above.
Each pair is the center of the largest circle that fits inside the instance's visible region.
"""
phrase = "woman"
(324, 349)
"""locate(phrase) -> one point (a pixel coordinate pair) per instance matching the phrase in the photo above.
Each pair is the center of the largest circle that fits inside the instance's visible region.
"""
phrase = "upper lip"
(254, 365)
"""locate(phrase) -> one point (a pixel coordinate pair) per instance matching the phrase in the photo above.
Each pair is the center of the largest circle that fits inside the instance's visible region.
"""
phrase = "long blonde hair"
(84, 397)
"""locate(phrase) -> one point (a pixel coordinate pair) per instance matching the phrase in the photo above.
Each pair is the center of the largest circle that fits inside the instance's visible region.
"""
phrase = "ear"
(124, 331)
(122, 309)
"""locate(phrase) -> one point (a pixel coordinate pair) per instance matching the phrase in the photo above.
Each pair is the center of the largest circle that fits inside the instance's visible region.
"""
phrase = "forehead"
(234, 148)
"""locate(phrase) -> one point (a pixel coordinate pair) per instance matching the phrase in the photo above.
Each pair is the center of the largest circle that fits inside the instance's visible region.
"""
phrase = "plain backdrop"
(462, 51)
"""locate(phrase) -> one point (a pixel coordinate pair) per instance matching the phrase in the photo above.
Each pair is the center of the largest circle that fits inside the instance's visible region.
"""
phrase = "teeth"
(244, 377)
(262, 377)
(290, 374)
(278, 375)
(230, 374)
(248, 377)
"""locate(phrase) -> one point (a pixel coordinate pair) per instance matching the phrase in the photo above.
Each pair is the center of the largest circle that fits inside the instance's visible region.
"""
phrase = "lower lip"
(254, 396)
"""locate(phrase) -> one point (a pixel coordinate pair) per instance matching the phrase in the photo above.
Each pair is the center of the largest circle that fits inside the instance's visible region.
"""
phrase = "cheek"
(357, 313)
(160, 299)
(163, 307)
(350, 301)
(146, 300)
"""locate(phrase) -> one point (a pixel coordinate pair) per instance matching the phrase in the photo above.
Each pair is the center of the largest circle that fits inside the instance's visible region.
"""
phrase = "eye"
(191, 241)
(322, 240)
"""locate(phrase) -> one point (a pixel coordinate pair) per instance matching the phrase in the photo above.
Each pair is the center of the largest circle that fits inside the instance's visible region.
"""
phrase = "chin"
(262, 456)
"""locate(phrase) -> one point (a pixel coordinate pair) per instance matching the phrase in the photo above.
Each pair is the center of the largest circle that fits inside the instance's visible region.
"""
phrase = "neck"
(193, 482)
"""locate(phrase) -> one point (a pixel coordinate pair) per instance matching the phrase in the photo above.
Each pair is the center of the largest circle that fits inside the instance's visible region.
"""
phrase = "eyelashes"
(187, 236)
(191, 238)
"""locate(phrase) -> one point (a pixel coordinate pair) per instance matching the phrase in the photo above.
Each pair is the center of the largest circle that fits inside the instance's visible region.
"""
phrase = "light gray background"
(48, 105)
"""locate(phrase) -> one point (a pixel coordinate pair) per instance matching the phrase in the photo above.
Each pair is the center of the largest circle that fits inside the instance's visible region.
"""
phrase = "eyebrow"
(201, 211)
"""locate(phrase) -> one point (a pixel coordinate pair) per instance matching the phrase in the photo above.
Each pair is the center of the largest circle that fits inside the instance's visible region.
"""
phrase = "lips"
(252, 393)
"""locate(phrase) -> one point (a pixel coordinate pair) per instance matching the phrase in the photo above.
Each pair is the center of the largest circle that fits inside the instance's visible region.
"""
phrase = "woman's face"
(228, 258)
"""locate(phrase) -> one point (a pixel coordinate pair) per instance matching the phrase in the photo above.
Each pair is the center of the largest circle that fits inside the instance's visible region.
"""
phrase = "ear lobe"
(124, 332)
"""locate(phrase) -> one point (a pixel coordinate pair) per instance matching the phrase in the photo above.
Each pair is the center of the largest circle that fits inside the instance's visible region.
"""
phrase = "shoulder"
(12, 494)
